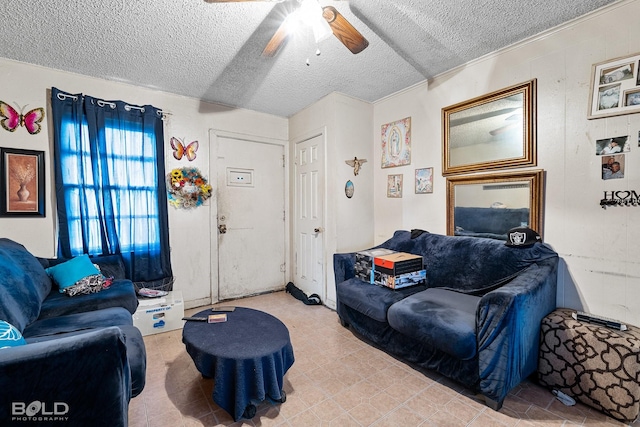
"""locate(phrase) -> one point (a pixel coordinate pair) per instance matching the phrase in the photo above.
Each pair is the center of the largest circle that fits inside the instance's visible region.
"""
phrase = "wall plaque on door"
(238, 177)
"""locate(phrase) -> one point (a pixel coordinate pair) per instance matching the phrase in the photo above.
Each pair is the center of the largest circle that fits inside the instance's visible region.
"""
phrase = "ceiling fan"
(324, 21)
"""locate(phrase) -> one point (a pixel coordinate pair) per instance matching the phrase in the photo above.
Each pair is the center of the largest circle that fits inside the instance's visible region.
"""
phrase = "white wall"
(348, 222)
(599, 248)
(191, 250)
(423, 211)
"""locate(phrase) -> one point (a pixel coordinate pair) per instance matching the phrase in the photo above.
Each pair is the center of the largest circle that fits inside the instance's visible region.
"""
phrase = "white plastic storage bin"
(155, 315)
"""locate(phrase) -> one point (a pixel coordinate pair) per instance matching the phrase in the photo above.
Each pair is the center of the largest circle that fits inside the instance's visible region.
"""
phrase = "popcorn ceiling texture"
(211, 51)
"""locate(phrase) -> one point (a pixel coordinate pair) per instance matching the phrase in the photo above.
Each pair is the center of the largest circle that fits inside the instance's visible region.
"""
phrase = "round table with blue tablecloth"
(247, 357)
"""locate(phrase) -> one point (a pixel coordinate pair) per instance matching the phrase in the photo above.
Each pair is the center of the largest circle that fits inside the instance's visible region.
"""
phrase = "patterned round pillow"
(10, 336)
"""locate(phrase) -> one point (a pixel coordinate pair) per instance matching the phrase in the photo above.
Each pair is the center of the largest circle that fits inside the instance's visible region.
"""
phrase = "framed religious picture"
(615, 87)
(394, 186)
(396, 143)
(22, 189)
(424, 181)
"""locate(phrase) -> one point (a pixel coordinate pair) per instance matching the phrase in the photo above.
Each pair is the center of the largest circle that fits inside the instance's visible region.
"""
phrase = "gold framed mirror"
(489, 205)
(493, 131)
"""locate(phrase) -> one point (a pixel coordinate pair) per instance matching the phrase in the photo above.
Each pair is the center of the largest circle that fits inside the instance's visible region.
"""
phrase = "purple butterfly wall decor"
(10, 119)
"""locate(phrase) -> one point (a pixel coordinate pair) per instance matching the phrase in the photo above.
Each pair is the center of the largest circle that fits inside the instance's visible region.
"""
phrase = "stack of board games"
(364, 262)
(389, 268)
(399, 270)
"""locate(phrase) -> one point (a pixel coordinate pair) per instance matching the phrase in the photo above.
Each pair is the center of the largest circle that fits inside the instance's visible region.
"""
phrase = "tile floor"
(336, 380)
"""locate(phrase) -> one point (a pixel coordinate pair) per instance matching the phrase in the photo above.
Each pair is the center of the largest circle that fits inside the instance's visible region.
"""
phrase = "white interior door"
(251, 217)
(309, 218)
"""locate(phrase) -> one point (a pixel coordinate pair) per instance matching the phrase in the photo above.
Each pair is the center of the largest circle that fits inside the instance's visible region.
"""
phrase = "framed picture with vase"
(22, 189)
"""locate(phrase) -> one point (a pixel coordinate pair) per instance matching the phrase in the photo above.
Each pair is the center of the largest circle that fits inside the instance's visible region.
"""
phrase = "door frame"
(322, 132)
(214, 136)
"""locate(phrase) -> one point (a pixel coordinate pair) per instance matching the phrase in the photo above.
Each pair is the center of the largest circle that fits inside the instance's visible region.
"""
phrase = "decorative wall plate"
(349, 189)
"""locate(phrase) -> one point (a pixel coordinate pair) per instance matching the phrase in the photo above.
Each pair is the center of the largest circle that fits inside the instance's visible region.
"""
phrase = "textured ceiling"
(212, 51)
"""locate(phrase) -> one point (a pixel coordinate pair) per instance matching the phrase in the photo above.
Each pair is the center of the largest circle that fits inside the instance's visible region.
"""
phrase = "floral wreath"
(187, 188)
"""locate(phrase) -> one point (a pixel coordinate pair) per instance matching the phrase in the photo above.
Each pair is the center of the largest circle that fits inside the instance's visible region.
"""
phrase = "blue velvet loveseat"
(477, 319)
(66, 360)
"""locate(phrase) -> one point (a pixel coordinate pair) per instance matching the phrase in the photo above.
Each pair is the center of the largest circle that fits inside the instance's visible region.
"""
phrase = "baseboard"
(197, 303)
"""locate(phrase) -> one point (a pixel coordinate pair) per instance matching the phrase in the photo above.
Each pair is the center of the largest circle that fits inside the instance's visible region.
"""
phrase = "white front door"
(309, 217)
(251, 217)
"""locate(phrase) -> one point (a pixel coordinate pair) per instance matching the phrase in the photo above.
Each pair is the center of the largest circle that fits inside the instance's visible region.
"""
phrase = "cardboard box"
(155, 315)
(398, 263)
(364, 262)
(401, 281)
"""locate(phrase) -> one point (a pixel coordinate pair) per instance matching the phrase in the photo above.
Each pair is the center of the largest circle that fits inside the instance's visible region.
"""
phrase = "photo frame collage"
(615, 90)
(615, 87)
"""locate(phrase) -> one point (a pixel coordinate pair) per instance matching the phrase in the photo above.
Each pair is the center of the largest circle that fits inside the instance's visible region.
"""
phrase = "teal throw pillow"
(69, 272)
(10, 336)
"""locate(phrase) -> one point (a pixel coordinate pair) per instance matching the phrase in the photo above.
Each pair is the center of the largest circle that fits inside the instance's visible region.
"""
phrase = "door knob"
(222, 228)
(317, 230)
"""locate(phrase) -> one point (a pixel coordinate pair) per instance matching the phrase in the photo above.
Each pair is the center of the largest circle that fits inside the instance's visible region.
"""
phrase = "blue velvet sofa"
(81, 359)
(477, 319)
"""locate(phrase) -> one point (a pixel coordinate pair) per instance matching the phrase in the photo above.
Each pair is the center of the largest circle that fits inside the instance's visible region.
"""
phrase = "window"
(125, 177)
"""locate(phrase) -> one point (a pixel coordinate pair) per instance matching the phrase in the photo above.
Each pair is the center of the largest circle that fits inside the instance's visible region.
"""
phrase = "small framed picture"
(424, 181)
(617, 144)
(613, 166)
(632, 98)
(22, 189)
(394, 186)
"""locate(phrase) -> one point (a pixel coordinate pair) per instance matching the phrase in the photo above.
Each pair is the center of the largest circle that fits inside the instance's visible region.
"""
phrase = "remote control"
(599, 320)
(195, 318)
(224, 308)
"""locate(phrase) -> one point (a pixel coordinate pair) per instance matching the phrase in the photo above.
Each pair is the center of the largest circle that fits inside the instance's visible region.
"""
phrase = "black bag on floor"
(297, 293)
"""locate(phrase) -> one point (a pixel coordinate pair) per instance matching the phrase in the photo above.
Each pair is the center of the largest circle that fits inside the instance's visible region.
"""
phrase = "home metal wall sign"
(620, 198)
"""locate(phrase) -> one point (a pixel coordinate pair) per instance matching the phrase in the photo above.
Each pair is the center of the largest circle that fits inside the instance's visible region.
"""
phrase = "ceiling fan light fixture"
(323, 21)
(292, 23)
(310, 13)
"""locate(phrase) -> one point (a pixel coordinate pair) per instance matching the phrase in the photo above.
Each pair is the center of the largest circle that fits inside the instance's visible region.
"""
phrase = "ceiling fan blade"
(344, 31)
(276, 41)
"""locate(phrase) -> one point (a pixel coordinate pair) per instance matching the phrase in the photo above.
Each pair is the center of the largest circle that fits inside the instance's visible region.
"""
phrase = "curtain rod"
(102, 103)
